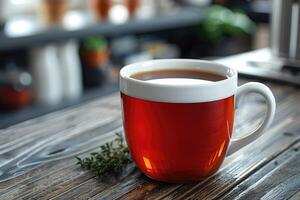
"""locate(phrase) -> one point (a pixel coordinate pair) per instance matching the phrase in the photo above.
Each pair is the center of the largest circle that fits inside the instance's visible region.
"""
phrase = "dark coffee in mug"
(173, 75)
(178, 121)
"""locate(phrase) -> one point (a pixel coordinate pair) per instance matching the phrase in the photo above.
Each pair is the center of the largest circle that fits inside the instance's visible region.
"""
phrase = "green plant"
(220, 22)
(111, 159)
(94, 43)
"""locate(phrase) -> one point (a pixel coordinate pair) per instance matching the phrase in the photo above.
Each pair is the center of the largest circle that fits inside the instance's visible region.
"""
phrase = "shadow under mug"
(181, 133)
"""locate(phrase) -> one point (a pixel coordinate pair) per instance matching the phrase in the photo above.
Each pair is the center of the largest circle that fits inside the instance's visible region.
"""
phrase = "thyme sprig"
(112, 158)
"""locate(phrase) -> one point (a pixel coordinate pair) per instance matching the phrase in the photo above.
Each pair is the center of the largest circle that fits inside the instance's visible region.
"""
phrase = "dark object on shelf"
(95, 77)
(14, 88)
(292, 68)
(1, 26)
(226, 47)
(12, 99)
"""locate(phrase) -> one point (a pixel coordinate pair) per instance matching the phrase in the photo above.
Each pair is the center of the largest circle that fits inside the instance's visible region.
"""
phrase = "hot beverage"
(173, 75)
(178, 120)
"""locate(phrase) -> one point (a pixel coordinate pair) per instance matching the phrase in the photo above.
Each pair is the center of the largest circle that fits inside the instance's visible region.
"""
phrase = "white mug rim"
(194, 93)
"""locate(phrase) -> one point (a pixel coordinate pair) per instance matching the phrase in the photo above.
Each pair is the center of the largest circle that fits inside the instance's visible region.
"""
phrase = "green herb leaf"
(95, 43)
(111, 159)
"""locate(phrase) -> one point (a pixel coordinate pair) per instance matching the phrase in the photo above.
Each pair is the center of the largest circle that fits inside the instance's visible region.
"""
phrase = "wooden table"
(37, 156)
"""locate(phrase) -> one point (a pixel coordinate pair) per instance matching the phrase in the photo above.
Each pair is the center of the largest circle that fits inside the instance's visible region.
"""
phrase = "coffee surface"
(178, 76)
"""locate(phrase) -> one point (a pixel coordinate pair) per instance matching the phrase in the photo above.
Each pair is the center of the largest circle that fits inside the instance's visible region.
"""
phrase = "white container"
(281, 27)
(70, 69)
(47, 84)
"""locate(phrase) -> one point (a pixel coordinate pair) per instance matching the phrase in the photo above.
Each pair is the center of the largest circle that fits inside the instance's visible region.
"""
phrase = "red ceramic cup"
(181, 132)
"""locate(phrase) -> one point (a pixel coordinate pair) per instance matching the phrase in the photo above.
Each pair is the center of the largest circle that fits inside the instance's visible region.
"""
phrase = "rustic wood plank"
(35, 174)
(295, 196)
(60, 136)
(57, 180)
(84, 190)
(279, 179)
(14, 137)
(95, 185)
(69, 144)
(262, 173)
(72, 145)
(122, 188)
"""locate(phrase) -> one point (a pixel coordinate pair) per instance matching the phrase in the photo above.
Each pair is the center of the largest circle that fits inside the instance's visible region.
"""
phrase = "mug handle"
(263, 90)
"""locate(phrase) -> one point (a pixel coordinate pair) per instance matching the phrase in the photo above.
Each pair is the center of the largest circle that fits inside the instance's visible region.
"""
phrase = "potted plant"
(224, 32)
(95, 52)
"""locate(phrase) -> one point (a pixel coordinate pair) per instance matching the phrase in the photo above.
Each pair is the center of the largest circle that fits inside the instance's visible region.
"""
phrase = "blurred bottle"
(15, 90)
(53, 11)
(100, 8)
(281, 27)
(47, 82)
(70, 69)
(132, 6)
(297, 32)
(294, 51)
(2, 14)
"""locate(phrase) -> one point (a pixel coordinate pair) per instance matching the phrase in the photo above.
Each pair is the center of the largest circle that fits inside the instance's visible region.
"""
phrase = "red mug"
(182, 132)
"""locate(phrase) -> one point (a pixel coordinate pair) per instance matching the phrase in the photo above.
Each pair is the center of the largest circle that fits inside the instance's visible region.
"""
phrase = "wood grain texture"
(279, 179)
(295, 196)
(37, 156)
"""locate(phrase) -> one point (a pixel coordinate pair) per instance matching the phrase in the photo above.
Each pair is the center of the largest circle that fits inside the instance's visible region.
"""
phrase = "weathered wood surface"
(37, 156)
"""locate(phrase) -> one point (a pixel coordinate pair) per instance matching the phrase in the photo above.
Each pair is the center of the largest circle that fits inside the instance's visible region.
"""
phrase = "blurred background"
(59, 53)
